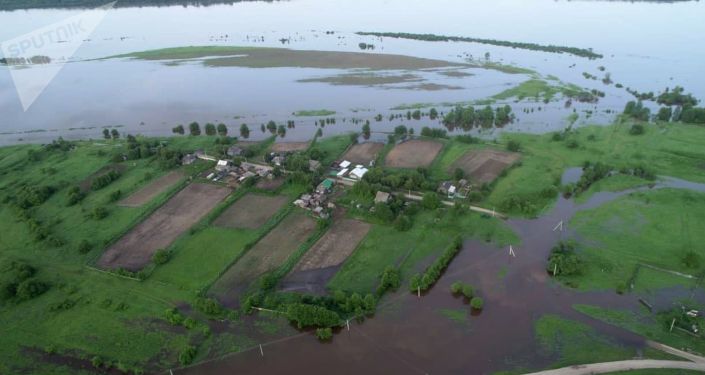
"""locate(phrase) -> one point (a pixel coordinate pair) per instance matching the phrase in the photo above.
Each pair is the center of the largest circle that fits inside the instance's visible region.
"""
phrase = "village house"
(234, 151)
(222, 165)
(358, 172)
(188, 159)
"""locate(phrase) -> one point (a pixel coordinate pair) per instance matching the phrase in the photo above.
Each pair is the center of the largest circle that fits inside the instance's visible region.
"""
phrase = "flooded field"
(411, 334)
(150, 97)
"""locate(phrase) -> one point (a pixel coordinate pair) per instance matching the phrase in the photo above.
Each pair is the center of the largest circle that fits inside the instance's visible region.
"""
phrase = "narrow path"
(636, 364)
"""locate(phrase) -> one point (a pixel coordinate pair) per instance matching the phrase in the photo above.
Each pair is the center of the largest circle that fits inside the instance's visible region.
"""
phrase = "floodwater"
(410, 334)
(149, 97)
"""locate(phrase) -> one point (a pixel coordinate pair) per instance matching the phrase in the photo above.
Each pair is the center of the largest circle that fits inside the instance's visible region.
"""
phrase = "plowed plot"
(150, 191)
(273, 184)
(250, 211)
(321, 262)
(484, 165)
(268, 254)
(363, 153)
(134, 250)
(412, 154)
(290, 146)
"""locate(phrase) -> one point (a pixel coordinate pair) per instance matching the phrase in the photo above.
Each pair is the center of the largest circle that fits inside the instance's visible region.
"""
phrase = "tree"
(383, 212)
(194, 128)
(366, 130)
(433, 114)
(281, 131)
(244, 131)
(402, 223)
(430, 201)
(179, 129)
(665, 114)
(222, 130)
(477, 303)
(272, 126)
(637, 129)
(106, 133)
(210, 129)
(458, 174)
(114, 133)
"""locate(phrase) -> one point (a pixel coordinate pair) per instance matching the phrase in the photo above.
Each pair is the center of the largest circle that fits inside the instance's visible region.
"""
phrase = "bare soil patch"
(414, 153)
(154, 188)
(290, 146)
(484, 165)
(135, 249)
(268, 254)
(363, 153)
(273, 184)
(251, 211)
(335, 246)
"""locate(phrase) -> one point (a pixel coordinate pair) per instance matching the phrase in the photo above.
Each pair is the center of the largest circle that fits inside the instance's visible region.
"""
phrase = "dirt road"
(608, 367)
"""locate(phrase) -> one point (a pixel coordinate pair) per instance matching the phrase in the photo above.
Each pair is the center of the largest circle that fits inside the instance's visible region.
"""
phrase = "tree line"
(582, 52)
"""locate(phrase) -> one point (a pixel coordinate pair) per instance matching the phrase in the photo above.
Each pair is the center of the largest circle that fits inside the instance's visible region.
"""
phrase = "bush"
(324, 334)
(456, 287)
(100, 213)
(563, 260)
(173, 316)
(514, 146)
(114, 196)
(161, 256)
(84, 247)
(468, 291)
(30, 288)
(74, 195)
(311, 316)
(104, 180)
(187, 355)
(208, 306)
(477, 303)
(637, 129)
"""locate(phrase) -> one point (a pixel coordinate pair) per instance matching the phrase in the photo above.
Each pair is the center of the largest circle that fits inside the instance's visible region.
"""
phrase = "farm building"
(345, 164)
(359, 172)
(325, 186)
(188, 159)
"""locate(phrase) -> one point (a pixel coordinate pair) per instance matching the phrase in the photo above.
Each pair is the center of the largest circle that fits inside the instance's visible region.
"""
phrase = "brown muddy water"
(410, 334)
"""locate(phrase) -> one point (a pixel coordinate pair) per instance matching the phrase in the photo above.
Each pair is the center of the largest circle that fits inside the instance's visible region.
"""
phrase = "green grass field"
(666, 149)
(657, 228)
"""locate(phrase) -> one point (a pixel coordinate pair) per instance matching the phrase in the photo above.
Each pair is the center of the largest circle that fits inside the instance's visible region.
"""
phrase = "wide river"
(647, 46)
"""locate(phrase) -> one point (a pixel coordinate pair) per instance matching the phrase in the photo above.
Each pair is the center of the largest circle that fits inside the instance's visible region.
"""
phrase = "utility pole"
(418, 292)
(511, 251)
(559, 226)
(261, 351)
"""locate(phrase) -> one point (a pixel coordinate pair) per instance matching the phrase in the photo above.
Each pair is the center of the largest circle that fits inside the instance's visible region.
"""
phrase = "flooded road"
(150, 97)
(411, 335)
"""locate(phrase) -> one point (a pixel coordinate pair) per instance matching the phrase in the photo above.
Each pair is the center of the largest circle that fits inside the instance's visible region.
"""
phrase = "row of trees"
(467, 117)
(426, 280)
(195, 129)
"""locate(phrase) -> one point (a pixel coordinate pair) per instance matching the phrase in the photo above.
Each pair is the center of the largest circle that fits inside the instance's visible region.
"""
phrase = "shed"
(382, 197)
(345, 164)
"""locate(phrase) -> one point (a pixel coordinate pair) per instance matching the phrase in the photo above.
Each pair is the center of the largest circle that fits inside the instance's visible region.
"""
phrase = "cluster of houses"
(345, 169)
(317, 201)
(452, 189)
(227, 172)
